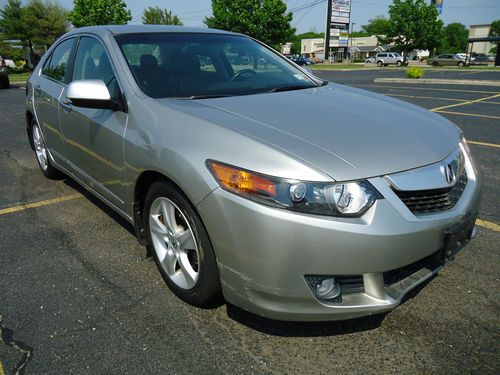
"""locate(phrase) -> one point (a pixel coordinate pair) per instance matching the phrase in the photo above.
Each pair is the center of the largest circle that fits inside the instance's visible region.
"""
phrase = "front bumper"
(264, 253)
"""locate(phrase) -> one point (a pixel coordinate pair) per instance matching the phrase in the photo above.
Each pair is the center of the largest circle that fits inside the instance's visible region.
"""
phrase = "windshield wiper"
(289, 88)
(208, 96)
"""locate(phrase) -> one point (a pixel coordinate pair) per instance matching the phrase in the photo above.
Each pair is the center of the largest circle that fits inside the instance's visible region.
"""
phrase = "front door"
(94, 137)
(53, 78)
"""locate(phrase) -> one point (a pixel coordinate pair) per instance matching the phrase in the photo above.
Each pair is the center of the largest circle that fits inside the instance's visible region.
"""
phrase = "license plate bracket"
(456, 237)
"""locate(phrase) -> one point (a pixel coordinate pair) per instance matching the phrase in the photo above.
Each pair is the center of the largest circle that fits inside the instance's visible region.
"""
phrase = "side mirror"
(91, 93)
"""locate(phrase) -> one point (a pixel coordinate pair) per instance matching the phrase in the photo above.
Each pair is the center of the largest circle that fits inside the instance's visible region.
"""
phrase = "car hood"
(345, 132)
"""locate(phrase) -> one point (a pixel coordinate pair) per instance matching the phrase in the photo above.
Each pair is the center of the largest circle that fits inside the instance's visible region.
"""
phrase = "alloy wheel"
(174, 243)
(40, 149)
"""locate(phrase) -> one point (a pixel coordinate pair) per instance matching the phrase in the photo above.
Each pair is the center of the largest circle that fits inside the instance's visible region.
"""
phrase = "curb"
(439, 81)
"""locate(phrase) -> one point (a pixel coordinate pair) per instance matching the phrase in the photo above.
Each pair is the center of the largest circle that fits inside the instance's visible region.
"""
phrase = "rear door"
(94, 137)
(54, 77)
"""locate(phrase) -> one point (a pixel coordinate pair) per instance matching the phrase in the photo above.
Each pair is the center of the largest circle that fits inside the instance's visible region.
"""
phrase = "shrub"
(414, 72)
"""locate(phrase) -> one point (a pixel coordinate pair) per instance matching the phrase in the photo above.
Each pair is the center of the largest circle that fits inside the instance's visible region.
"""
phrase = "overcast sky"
(192, 12)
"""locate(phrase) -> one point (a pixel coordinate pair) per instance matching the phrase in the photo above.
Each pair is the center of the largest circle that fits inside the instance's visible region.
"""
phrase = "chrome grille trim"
(433, 200)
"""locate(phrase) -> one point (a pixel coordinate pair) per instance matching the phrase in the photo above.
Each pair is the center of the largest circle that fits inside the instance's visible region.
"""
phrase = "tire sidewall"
(207, 288)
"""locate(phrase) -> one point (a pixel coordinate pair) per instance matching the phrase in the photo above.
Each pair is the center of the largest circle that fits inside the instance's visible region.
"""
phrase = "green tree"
(495, 28)
(39, 22)
(158, 16)
(266, 20)
(454, 38)
(413, 25)
(376, 26)
(99, 12)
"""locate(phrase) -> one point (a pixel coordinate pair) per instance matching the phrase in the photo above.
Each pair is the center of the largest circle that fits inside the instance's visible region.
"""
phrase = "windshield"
(197, 65)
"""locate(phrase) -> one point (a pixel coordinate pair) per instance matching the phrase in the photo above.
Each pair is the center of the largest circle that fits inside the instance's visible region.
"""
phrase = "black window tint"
(58, 66)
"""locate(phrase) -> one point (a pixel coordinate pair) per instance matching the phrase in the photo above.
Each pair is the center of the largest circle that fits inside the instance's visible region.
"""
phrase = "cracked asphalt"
(78, 294)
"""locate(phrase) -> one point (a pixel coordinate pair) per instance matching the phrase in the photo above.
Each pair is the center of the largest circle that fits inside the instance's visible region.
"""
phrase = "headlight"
(351, 199)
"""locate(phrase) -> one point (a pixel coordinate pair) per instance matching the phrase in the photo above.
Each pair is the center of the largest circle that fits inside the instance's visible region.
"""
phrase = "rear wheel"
(180, 246)
(4, 82)
(42, 154)
(379, 63)
(435, 63)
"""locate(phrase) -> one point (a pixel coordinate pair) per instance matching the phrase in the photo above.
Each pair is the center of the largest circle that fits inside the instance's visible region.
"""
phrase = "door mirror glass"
(90, 93)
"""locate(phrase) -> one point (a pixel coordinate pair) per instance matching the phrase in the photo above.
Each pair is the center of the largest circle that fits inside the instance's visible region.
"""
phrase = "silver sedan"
(249, 179)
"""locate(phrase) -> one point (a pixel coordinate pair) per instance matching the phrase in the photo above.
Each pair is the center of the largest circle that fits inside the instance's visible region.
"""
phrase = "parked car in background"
(4, 74)
(390, 58)
(447, 60)
(234, 190)
(370, 60)
(299, 60)
(482, 58)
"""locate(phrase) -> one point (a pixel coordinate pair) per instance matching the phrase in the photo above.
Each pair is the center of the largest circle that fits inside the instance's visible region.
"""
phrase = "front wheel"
(460, 64)
(42, 154)
(399, 63)
(181, 246)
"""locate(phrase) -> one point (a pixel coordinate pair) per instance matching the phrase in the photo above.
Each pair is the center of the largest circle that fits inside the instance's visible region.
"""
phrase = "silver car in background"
(232, 187)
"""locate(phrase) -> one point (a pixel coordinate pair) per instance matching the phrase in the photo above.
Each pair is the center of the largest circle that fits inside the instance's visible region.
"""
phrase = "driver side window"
(92, 62)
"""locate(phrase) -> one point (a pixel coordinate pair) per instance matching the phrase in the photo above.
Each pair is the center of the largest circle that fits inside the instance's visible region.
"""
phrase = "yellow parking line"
(46, 202)
(426, 97)
(488, 225)
(412, 88)
(465, 103)
(483, 144)
(1, 369)
(467, 114)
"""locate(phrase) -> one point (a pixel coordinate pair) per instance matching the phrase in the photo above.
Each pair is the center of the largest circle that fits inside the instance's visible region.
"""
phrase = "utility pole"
(327, 31)
(351, 56)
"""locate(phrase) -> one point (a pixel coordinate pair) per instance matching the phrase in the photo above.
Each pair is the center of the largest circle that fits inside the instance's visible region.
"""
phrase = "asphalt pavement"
(78, 294)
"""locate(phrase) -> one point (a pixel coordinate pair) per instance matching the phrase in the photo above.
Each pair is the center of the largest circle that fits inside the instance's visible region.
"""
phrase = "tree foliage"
(495, 28)
(158, 16)
(99, 12)
(39, 22)
(376, 26)
(413, 25)
(454, 38)
(266, 20)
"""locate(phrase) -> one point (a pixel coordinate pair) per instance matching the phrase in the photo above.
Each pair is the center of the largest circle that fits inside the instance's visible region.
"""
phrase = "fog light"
(325, 288)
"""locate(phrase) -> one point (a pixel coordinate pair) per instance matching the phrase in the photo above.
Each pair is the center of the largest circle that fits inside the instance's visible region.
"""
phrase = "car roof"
(138, 29)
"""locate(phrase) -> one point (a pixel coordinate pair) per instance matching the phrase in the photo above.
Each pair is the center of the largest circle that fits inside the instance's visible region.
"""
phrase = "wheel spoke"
(157, 226)
(169, 262)
(187, 270)
(168, 211)
(186, 240)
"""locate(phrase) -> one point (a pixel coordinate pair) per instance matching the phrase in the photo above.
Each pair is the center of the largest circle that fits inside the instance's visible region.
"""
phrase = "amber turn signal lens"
(241, 181)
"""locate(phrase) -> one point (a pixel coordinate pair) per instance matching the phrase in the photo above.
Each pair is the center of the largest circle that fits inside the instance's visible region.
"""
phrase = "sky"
(192, 12)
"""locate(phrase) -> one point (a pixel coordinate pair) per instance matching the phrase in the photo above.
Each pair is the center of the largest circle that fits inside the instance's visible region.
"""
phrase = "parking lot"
(78, 294)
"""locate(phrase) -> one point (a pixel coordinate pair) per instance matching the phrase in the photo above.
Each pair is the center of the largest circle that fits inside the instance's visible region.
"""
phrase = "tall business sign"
(337, 23)
(439, 5)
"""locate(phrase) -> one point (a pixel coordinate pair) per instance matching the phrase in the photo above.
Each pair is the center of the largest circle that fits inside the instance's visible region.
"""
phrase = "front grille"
(431, 262)
(434, 200)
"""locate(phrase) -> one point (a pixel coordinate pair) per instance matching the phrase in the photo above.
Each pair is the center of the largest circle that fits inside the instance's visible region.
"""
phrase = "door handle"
(66, 105)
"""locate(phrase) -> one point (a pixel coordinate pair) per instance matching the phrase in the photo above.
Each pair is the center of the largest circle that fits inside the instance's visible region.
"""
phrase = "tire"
(42, 154)
(180, 246)
(460, 64)
(399, 63)
(4, 83)
(435, 63)
(379, 63)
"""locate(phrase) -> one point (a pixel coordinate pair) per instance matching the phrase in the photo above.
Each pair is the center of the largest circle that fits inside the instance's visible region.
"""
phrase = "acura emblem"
(448, 173)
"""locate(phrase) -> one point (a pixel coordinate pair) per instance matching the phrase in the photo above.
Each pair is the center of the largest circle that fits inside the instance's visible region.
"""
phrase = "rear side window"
(382, 55)
(57, 67)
